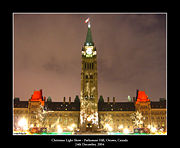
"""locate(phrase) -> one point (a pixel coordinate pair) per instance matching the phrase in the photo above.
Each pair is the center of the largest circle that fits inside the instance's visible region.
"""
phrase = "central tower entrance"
(89, 91)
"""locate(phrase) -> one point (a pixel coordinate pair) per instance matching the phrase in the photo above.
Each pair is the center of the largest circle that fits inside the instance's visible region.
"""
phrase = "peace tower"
(89, 89)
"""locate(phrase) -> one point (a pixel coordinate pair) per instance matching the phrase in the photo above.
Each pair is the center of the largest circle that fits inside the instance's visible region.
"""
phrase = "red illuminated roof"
(37, 96)
(142, 97)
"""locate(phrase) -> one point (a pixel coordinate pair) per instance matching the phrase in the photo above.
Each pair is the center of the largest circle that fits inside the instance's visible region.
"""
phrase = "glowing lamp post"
(23, 124)
(59, 129)
(125, 131)
(120, 128)
(108, 127)
(72, 127)
(153, 130)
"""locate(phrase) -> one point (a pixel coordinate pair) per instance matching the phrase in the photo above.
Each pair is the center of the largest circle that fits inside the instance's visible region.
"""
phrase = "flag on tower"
(87, 20)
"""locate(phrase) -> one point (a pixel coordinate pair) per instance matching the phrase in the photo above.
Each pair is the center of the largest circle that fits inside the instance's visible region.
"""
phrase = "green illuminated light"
(53, 133)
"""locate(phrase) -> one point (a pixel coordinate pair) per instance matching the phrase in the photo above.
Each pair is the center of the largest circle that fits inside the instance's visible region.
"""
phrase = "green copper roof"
(89, 41)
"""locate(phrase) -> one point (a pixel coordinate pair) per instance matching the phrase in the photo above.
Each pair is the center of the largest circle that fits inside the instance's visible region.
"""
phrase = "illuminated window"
(91, 76)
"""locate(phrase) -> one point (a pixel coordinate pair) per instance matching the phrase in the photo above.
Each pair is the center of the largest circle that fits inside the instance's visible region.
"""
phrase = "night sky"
(131, 53)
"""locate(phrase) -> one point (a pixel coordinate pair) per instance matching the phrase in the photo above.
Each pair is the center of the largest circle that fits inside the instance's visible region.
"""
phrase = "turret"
(89, 41)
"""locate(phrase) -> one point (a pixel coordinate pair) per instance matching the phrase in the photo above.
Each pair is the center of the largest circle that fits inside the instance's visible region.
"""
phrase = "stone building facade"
(67, 113)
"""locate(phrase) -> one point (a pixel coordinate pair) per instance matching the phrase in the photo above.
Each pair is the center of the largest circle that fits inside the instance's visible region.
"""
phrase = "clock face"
(89, 51)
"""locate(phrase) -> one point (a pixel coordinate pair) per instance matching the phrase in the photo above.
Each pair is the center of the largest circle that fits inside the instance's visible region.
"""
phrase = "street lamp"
(108, 127)
(70, 128)
(59, 129)
(120, 127)
(23, 123)
(153, 129)
(126, 131)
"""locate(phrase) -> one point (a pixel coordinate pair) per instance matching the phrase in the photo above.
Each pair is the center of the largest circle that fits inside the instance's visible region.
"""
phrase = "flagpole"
(89, 25)
(88, 21)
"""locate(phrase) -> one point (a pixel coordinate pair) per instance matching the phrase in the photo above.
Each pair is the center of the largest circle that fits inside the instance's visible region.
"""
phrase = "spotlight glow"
(153, 129)
(70, 128)
(120, 127)
(23, 124)
(59, 129)
(108, 127)
(126, 131)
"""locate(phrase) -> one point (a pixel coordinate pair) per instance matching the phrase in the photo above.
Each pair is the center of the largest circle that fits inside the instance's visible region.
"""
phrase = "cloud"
(131, 53)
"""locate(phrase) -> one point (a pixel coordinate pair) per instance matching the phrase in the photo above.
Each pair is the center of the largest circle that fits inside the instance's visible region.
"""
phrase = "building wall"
(156, 118)
(145, 109)
(119, 118)
(53, 118)
(62, 118)
(19, 113)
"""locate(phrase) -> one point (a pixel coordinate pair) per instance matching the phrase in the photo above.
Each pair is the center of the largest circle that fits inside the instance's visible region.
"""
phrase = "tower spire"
(89, 41)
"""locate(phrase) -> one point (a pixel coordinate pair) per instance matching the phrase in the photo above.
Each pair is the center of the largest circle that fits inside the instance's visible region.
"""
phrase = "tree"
(107, 122)
(137, 119)
(49, 99)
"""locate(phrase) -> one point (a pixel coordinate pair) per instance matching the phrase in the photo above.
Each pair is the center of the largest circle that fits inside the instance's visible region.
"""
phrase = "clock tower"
(89, 89)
